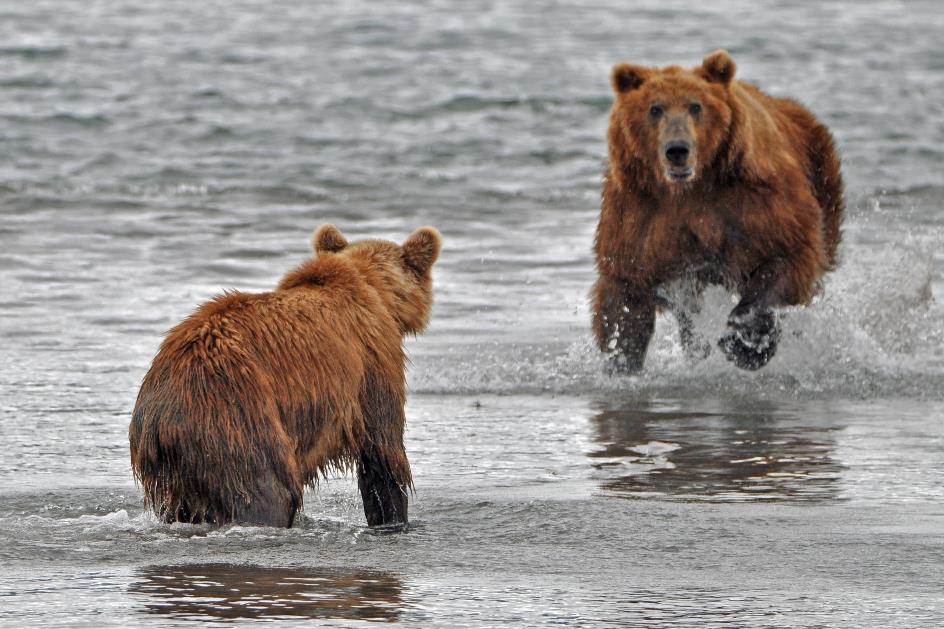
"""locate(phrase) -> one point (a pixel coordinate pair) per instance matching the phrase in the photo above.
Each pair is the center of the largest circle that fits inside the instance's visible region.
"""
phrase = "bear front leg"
(753, 329)
(752, 336)
(383, 470)
(624, 318)
(385, 500)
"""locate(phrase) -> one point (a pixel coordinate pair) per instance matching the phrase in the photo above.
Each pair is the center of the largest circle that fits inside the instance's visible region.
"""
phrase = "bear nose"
(677, 153)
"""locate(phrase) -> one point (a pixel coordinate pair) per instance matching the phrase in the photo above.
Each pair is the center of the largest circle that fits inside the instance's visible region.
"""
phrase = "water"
(155, 154)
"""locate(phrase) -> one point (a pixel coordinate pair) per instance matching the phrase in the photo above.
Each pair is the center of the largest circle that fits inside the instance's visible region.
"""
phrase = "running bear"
(710, 181)
(254, 395)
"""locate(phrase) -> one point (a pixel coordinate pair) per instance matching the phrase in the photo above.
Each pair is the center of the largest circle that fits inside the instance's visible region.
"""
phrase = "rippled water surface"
(157, 153)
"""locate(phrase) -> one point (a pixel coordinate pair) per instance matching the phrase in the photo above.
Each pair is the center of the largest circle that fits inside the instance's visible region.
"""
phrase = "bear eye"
(655, 111)
(695, 109)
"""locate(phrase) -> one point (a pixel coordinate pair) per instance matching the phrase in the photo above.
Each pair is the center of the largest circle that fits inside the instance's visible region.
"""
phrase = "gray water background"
(153, 154)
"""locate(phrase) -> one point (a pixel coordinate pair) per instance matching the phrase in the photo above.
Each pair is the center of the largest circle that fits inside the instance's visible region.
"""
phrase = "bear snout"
(677, 152)
(679, 160)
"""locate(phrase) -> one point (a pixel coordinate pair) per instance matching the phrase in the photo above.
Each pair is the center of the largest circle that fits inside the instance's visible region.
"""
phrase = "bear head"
(668, 125)
(402, 274)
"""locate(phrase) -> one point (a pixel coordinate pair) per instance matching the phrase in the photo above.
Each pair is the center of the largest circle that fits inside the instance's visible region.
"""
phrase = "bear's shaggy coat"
(255, 395)
(710, 181)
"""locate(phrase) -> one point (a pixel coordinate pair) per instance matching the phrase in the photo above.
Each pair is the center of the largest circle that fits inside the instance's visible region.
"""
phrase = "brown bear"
(253, 396)
(710, 181)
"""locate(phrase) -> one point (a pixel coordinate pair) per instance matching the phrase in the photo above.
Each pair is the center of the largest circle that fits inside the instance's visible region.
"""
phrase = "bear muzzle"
(678, 157)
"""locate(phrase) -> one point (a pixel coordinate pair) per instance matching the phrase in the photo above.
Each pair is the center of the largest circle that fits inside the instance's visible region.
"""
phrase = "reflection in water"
(752, 455)
(230, 592)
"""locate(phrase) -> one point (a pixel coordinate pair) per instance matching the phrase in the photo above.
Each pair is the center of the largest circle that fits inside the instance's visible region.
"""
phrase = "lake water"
(157, 153)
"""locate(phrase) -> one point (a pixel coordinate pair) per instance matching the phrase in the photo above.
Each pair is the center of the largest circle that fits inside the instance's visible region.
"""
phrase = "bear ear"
(422, 248)
(328, 238)
(627, 77)
(718, 67)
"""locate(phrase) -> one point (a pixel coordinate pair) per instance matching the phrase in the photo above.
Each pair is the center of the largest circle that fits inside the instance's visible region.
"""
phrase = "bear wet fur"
(254, 396)
(710, 181)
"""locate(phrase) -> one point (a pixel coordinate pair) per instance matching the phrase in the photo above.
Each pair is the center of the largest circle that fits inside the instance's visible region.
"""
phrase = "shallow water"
(157, 155)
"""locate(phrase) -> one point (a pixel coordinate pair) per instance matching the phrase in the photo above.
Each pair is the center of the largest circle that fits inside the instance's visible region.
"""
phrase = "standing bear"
(254, 395)
(710, 181)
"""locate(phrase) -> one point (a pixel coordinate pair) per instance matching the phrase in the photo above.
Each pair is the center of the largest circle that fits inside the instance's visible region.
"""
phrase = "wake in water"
(334, 518)
(875, 330)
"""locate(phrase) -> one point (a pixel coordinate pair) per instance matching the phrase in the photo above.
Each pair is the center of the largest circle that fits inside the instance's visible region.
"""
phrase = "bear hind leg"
(684, 299)
(694, 345)
(271, 503)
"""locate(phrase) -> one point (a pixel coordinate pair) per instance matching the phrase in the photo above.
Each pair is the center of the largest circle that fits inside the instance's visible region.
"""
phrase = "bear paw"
(751, 339)
(696, 350)
(619, 364)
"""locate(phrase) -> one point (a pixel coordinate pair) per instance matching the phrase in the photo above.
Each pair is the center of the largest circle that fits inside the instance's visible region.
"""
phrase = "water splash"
(876, 330)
